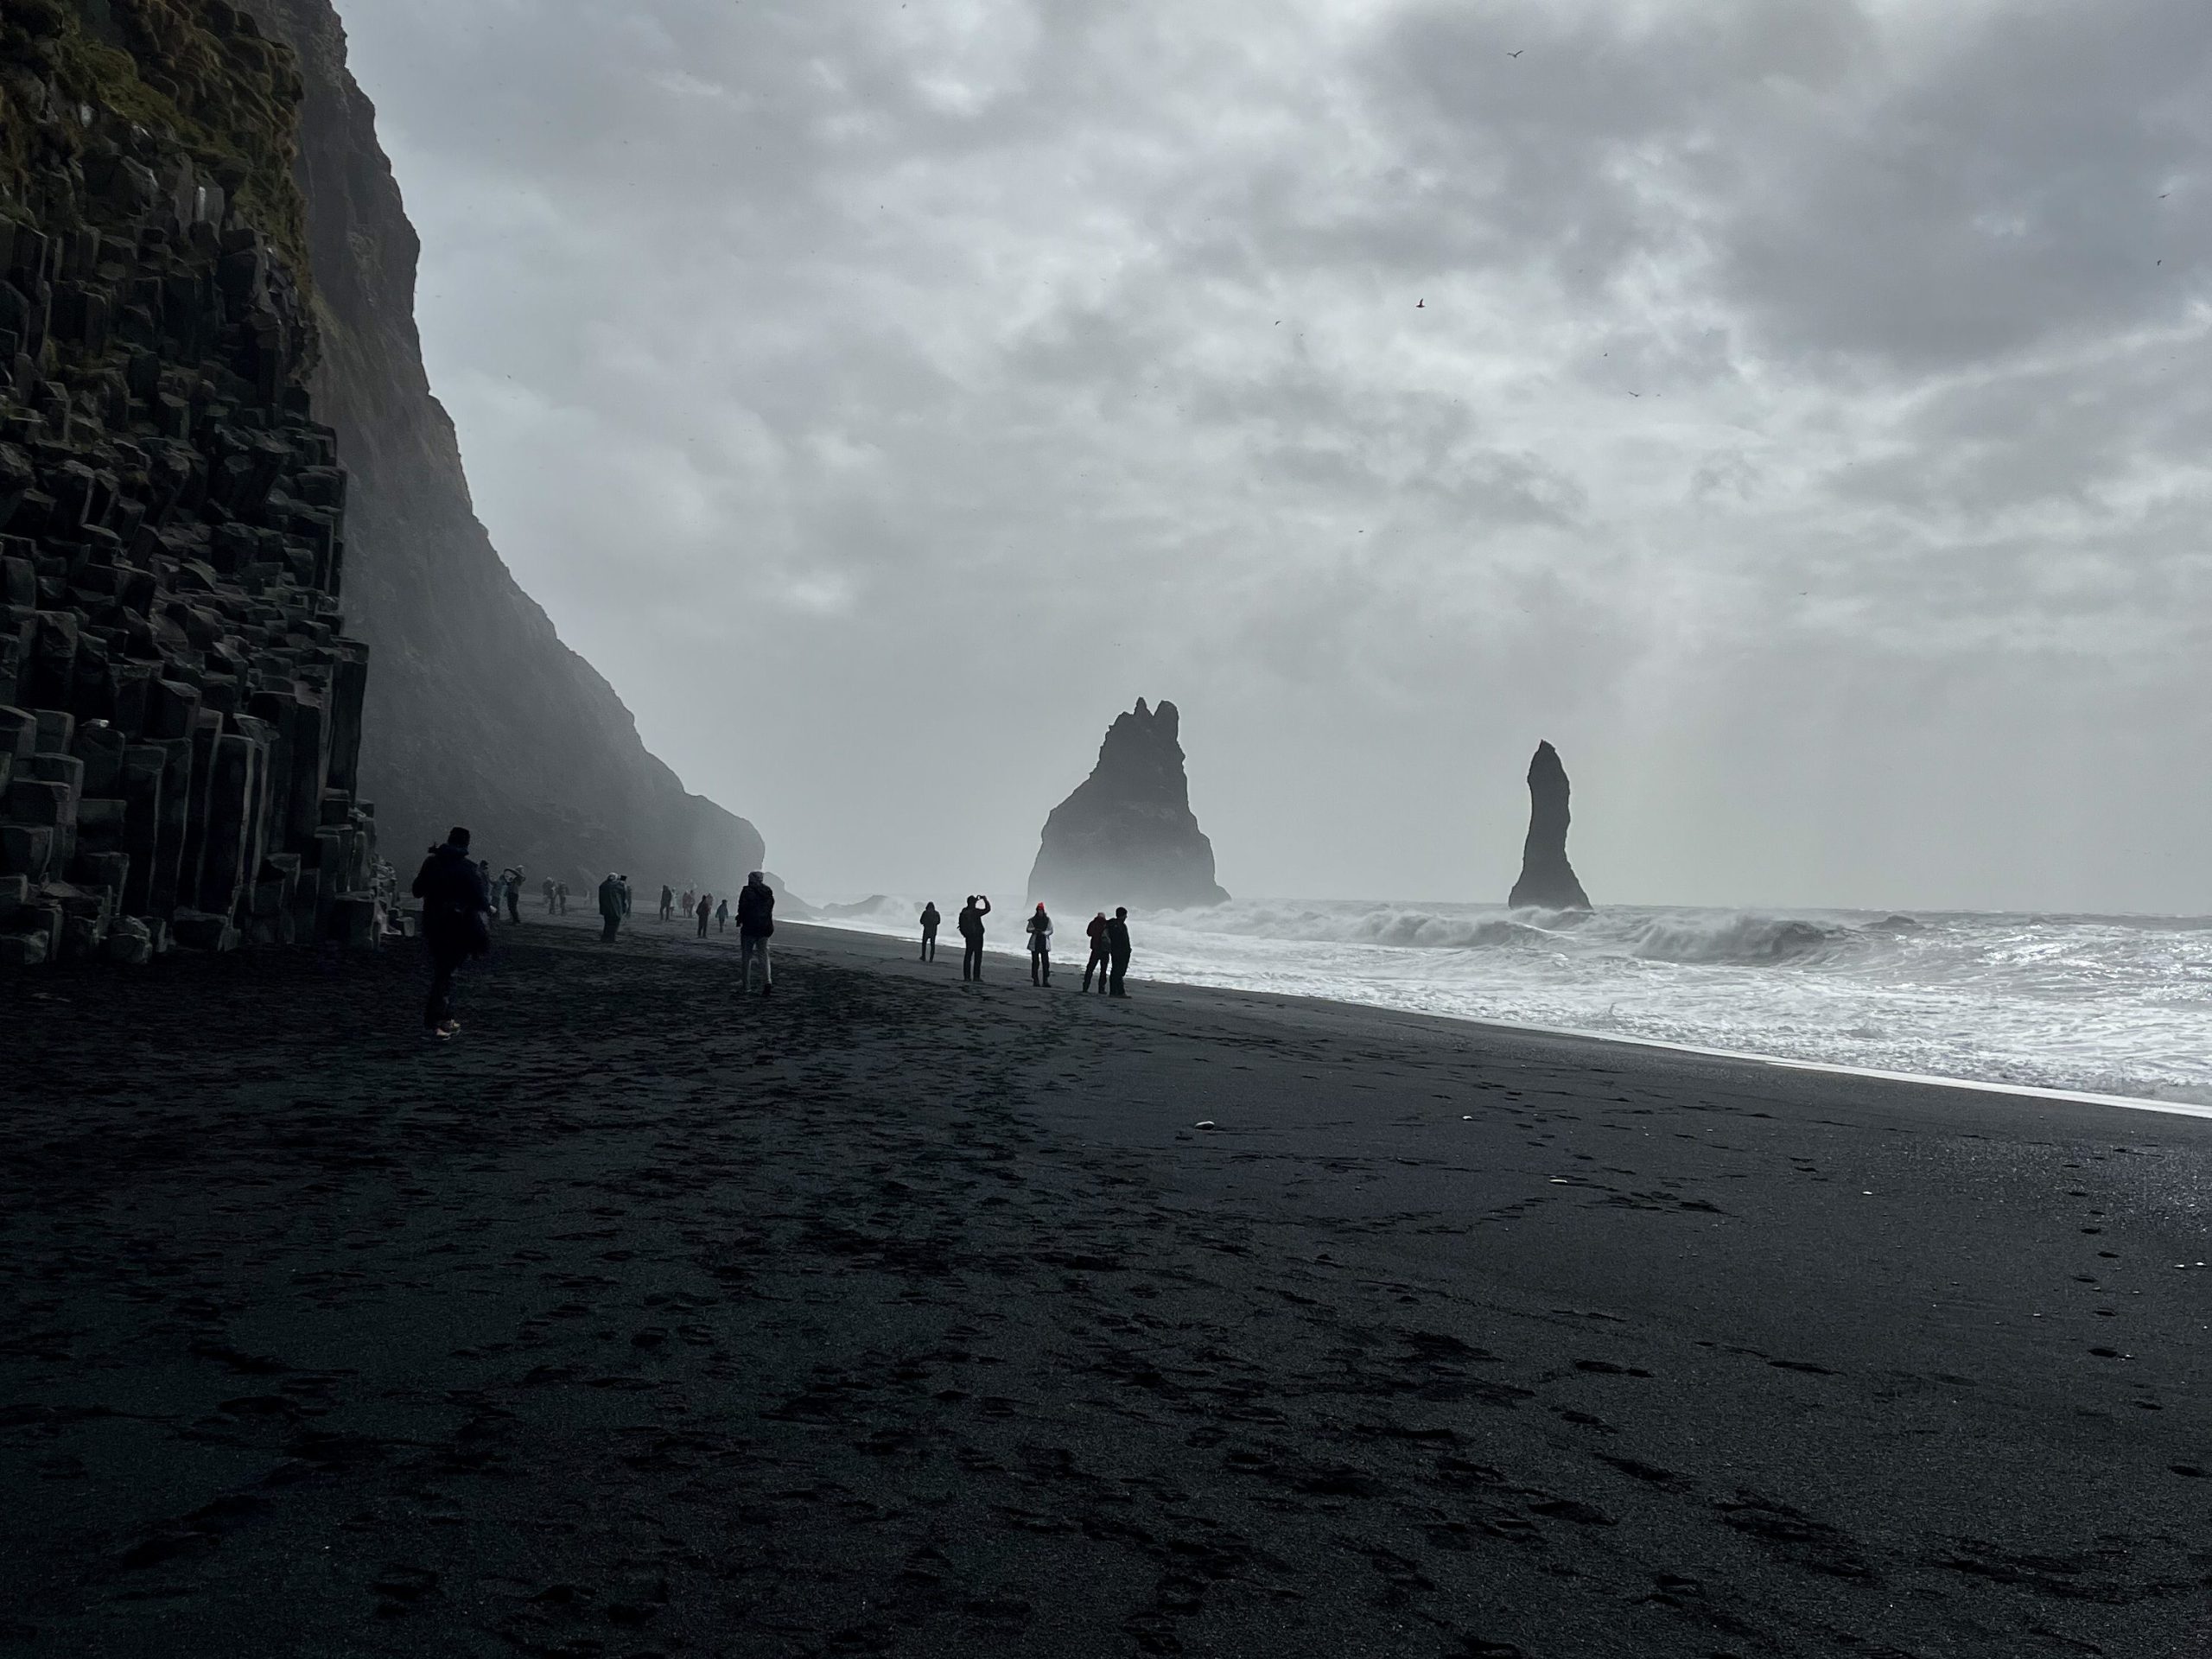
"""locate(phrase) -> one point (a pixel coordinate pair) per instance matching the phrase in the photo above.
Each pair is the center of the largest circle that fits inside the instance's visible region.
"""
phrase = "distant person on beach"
(1040, 927)
(667, 902)
(490, 886)
(511, 878)
(614, 904)
(706, 908)
(690, 898)
(1117, 941)
(552, 898)
(756, 921)
(456, 924)
(1099, 955)
(561, 894)
(971, 932)
(930, 920)
(624, 881)
(722, 915)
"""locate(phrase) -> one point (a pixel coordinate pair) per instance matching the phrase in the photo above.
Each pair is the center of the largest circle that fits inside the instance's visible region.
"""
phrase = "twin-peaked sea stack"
(1127, 836)
(1547, 880)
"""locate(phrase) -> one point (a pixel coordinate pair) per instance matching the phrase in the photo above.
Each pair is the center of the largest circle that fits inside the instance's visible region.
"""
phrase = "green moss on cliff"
(196, 72)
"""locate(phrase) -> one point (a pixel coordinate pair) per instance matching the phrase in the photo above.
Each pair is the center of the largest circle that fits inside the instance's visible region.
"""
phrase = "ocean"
(2108, 1005)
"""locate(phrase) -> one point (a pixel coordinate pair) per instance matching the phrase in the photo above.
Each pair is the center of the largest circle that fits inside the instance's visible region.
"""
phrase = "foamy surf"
(2110, 1006)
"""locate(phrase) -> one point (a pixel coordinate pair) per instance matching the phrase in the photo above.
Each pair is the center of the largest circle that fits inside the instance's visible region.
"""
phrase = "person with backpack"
(930, 920)
(971, 932)
(1100, 953)
(456, 923)
(1039, 928)
(756, 921)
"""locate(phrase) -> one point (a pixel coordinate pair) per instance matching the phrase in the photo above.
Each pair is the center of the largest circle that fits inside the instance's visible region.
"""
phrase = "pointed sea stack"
(1126, 837)
(1546, 879)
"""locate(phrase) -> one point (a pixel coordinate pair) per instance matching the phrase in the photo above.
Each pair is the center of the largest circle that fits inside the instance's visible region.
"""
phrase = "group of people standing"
(1109, 936)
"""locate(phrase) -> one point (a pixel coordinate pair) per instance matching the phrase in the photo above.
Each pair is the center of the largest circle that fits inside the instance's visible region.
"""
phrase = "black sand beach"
(894, 1317)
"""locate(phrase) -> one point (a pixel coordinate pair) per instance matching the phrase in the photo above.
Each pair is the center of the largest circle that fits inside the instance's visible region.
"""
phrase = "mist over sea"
(2102, 1004)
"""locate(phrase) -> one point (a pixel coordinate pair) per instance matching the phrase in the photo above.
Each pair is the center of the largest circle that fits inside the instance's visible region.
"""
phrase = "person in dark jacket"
(971, 932)
(561, 893)
(456, 923)
(1117, 941)
(1040, 947)
(667, 902)
(510, 880)
(1099, 955)
(756, 921)
(721, 917)
(930, 920)
(613, 904)
(706, 908)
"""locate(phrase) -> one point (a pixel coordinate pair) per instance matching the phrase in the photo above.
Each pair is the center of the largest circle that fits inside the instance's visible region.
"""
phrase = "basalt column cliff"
(179, 707)
(478, 714)
(1127, 836)
(1547, 880)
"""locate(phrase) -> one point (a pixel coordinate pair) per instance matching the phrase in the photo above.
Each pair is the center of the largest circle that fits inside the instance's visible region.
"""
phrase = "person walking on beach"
(456, 925)
(706, 909)
(1040, 947)
(721, 917)
(561, 894)
(613, 902)
(1099, 954)
(511, 878)
(552, 897)
(971, 932)
(491, 887)
(930, 920)
(667, 901)
(1117, 941)
(756, 921)
(623, 881)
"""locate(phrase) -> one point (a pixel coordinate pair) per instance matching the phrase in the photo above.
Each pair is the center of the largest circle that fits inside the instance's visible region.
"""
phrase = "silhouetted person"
(1117, 943)
(1099, 954)
(722, 915)
(456, 925)
(756, 921)
(971, 932)
(706, 909)
(930, 920)
(511, 878)
(561, 894)
(1040, 929)
(552, 896)
(491, 887)
(613, 904)
(667, 902)
(623, 881)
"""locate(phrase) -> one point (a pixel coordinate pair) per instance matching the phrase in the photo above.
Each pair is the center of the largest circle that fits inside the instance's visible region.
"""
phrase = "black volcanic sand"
(890, 1316)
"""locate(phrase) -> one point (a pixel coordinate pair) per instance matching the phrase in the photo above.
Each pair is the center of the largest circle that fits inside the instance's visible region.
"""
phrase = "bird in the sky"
(1635, 394)
(1420, 305)
(1516, 54)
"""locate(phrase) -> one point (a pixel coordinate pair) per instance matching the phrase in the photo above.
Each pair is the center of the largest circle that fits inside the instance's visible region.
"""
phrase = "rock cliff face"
(1127, 836)
(478, 714)
(179, 707)
(1547, 880)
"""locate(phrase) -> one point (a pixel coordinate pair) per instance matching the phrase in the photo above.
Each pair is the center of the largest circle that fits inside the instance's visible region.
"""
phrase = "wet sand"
(891, 1316)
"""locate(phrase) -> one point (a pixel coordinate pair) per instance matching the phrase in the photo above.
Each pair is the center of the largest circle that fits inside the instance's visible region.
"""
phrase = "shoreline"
(2128, 1103)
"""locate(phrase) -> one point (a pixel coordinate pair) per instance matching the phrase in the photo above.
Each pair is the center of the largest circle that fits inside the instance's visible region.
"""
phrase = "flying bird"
(1516, 54)
(1420, 305)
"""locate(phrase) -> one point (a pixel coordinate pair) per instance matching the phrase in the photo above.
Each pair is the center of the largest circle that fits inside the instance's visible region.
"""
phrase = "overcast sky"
(1796, 410)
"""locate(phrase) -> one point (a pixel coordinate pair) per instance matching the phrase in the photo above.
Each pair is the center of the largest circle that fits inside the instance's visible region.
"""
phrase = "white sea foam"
(2105, 1004)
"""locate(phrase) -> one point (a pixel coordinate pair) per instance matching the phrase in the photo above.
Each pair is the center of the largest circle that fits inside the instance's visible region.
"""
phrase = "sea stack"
(1547, 880)
(1127, 836)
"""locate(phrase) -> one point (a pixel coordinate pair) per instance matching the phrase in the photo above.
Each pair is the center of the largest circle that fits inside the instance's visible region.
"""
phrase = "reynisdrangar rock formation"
(477, 713)
(1547, 880)
(1127, 836)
